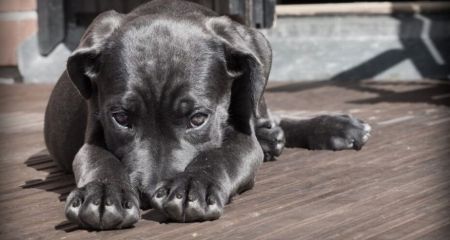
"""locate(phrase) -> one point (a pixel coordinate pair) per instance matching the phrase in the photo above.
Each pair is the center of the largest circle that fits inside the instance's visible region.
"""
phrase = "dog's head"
(163, 89)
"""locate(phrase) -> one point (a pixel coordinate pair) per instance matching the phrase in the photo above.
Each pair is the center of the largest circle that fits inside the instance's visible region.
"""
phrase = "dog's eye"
(198, 119)
(121, 118)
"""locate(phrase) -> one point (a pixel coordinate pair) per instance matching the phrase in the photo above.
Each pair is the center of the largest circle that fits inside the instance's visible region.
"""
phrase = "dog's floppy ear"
(248, 58)
(82, 65)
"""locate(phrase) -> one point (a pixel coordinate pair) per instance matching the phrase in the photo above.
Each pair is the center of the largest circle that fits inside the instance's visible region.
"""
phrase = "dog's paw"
(102, 206)
(270, 137)
(338, 132)
(188, 198)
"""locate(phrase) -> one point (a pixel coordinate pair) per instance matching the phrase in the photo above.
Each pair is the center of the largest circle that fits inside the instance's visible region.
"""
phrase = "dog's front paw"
(102, 206)
(270, 137)
(338, 132)
(188, 198)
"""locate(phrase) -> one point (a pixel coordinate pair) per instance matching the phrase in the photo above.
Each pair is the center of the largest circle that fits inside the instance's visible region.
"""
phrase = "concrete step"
(355, 47)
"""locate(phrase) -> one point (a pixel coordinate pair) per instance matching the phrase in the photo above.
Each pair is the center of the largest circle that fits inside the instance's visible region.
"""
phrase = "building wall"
(18, 21)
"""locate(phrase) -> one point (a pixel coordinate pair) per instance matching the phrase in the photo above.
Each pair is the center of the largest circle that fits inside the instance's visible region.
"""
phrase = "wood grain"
(397, 187)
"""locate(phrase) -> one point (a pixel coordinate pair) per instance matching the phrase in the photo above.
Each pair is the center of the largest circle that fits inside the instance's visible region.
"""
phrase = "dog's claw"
(102, 207)
(189, 198)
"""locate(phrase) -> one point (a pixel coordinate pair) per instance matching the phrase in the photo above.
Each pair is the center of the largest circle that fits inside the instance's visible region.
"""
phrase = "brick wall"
(18, 21)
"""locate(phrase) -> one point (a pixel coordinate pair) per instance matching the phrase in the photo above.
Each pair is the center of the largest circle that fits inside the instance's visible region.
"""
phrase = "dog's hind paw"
(338, 132)
(270, 137)
(102, 206)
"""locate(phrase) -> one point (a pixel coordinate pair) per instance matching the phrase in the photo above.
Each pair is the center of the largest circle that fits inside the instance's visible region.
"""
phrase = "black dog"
(164, 108)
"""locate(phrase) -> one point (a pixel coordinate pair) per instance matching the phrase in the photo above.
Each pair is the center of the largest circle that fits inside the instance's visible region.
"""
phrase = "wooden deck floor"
(397, 187)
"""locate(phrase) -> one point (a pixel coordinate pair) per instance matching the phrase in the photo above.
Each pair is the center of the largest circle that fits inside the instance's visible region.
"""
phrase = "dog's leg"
(210, 180)
(332, 132)
(104, 198)
(271, 137)
(269, 133)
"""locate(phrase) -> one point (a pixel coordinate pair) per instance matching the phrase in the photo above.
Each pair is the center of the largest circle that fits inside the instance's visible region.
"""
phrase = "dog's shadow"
(62, 183)
(56, 181)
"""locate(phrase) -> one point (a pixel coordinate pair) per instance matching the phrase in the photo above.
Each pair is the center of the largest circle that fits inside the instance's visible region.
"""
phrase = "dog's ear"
(82, 65)
(248, 60)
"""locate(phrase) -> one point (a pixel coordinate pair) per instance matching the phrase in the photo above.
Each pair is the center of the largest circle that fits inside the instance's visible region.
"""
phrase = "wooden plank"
(397, 187)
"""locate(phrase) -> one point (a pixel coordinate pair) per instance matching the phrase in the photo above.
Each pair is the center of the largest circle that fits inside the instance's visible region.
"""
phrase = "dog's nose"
(144, 201)
(145, 197)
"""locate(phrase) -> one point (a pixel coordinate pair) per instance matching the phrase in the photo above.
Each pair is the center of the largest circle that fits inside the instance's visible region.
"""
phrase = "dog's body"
(163, 108)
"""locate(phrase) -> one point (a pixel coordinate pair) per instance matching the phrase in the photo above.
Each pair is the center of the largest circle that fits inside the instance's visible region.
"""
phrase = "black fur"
(120, 116)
